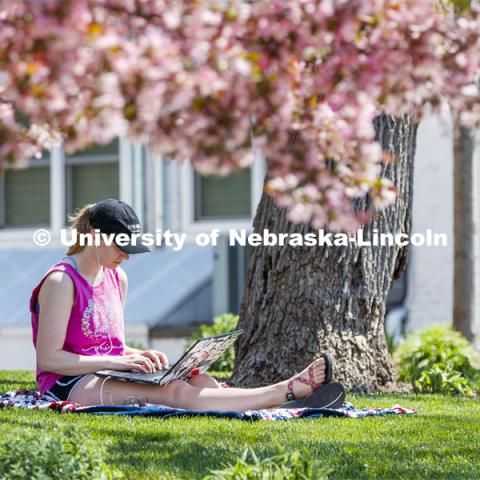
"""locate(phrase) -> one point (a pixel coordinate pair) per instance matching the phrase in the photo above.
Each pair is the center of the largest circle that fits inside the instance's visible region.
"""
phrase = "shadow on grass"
(436, 444)
(194, 457)
(182, 453)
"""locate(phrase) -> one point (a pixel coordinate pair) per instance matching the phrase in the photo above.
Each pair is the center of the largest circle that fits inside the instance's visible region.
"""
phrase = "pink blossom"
(200, 80)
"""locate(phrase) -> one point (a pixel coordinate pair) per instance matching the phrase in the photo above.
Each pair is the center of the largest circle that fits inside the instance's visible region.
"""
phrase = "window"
(54, 186)
(223, 197)
(99, 150)
(223, 203)
(91, 175)
(92, 183)
(25, 193)
(25, 196)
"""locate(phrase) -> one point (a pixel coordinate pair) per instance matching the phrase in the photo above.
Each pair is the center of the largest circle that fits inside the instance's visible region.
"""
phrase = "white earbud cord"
(101, 392)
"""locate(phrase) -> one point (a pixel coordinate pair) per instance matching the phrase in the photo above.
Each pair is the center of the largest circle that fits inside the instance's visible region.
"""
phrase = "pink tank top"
(95, 326)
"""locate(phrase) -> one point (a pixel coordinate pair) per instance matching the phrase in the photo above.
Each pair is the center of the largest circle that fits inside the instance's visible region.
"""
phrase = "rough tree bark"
(301, 301)
(465, 278)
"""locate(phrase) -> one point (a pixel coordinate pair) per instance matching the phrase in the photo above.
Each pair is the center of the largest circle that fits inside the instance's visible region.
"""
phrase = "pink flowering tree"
(330, 92)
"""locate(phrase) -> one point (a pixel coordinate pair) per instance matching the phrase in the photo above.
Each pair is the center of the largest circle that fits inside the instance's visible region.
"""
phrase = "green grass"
(440, 442)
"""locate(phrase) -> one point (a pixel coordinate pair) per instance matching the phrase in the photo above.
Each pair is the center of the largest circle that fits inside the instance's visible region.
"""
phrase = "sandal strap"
(290, 395)
(310, 382)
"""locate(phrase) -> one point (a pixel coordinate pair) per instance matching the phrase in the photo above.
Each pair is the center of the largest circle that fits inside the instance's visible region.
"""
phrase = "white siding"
(17, 352)
(174, 196)
(430, 298)
(16, 348)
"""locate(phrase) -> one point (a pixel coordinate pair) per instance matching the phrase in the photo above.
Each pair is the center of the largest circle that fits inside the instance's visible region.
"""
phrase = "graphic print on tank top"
(100, 322)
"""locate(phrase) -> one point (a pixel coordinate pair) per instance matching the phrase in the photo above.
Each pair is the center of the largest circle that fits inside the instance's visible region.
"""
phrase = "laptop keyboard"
(154, 375)
(146, 376)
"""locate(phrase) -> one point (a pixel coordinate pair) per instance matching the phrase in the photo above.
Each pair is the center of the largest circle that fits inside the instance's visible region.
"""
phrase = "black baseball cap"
(114, 216)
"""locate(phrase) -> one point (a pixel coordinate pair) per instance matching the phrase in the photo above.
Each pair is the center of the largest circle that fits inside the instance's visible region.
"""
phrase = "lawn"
(441, 441)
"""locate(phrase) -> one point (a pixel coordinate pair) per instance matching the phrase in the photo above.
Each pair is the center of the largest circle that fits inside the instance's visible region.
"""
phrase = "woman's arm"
(130, 350)
(56, 300)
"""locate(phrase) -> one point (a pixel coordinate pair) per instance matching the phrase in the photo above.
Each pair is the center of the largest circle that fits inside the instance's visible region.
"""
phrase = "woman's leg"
(204, 381)
(93, 390)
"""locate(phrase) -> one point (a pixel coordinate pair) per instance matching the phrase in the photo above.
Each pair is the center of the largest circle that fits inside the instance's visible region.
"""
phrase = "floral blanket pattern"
(33, 400)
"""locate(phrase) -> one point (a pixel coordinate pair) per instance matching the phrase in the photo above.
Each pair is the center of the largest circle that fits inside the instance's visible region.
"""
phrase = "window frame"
(38, 163)
(81, 160)
(197, 192)
(192, 226)
(56, 161)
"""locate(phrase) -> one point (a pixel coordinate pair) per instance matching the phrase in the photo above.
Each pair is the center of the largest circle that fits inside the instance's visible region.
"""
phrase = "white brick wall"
(173, 194)
(16, 348)
(430, 298)
(17, 352)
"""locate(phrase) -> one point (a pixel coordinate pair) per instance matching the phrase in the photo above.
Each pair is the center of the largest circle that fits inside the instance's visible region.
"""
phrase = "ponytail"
(80, 220)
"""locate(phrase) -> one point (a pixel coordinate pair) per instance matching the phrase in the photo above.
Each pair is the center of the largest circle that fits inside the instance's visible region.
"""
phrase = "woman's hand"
(148, 361)
(158, 358)
(135, 362)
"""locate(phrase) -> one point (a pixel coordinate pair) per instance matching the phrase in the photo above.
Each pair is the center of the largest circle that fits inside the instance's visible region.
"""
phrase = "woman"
(78, 329)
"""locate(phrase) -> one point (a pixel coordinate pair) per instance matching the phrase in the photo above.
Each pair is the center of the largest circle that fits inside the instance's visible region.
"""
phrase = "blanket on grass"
(33, 400)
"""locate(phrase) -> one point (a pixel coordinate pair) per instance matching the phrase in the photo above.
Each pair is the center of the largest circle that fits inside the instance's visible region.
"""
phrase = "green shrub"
(438, 360)
(61, 453)
(296, 465)
(222, 324)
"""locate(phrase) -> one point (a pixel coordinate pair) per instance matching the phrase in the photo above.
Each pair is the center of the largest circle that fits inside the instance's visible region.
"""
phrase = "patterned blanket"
(33, 400)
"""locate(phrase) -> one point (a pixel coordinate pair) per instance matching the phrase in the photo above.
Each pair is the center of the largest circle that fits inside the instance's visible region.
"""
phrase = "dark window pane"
(223, 197)
(96, 150)
(27, 197)
(93, 182)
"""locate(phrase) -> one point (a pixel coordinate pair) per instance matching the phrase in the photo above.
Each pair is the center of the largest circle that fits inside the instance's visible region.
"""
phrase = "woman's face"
(110, 256)
(115, 256)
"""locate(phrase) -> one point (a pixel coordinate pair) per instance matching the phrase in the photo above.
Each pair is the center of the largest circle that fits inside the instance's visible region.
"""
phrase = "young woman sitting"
(78, 329)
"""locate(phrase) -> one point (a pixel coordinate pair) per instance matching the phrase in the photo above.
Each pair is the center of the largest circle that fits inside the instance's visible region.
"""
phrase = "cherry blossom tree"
(329, 91)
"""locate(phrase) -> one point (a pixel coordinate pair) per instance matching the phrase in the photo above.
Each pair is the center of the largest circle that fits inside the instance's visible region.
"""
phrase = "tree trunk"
(301, 301)
(465, 278)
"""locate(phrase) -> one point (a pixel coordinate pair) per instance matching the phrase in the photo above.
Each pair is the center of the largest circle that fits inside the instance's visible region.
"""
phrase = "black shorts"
(61, 389)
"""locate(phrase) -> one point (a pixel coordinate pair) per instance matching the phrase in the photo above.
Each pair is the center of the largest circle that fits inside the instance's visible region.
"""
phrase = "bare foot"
(303, 383)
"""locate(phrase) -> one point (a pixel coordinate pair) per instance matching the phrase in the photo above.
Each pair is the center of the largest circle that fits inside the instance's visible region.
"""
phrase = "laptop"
(201, 355)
